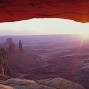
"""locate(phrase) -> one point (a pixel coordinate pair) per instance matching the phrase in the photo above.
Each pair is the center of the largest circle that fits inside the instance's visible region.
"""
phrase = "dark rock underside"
(15, 10)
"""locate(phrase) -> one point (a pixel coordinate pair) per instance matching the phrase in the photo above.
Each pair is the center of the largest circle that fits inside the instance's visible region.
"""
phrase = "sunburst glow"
(84, 36)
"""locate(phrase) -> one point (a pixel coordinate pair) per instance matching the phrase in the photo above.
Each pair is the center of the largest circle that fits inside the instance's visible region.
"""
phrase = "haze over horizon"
(43, 26)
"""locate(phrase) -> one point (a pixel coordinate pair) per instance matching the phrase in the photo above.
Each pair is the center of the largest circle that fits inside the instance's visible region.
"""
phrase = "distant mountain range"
(40, 39)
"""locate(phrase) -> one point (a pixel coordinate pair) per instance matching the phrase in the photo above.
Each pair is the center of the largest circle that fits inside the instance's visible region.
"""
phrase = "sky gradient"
(43, 27)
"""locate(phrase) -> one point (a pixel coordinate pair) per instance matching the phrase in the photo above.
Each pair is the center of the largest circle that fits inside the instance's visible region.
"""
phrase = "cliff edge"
(50, 83)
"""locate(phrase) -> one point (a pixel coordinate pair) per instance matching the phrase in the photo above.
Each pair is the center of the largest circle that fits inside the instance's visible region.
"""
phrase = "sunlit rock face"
(13, 10)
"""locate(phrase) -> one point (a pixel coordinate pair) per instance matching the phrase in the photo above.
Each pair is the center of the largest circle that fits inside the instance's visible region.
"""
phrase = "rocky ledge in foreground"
(51, 83)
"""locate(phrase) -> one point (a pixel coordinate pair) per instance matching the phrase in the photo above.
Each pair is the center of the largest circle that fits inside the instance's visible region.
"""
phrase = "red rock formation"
(10, 45)
(4, 77)
(9, 40)
(4, 67)
(13, 10)
(50, 83)
(20, 46)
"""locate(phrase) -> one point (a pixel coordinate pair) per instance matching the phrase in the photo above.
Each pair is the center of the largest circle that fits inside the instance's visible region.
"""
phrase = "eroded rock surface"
(51, 83)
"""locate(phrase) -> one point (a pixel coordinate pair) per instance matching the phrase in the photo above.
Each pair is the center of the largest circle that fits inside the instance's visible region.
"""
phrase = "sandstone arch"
(14, 10)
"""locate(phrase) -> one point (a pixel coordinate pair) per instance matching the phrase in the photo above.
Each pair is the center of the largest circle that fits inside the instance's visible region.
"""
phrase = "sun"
(84, 36)
(83, 40)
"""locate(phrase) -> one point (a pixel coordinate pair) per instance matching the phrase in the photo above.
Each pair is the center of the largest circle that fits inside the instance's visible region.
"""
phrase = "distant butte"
(15, 10)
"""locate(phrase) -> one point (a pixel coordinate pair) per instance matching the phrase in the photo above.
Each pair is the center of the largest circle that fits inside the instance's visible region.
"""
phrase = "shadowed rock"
(4, 66)
(4, 77)
(51, 83)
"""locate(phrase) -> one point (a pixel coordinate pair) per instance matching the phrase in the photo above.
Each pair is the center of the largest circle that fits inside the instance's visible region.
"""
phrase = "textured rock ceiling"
(14, 10)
